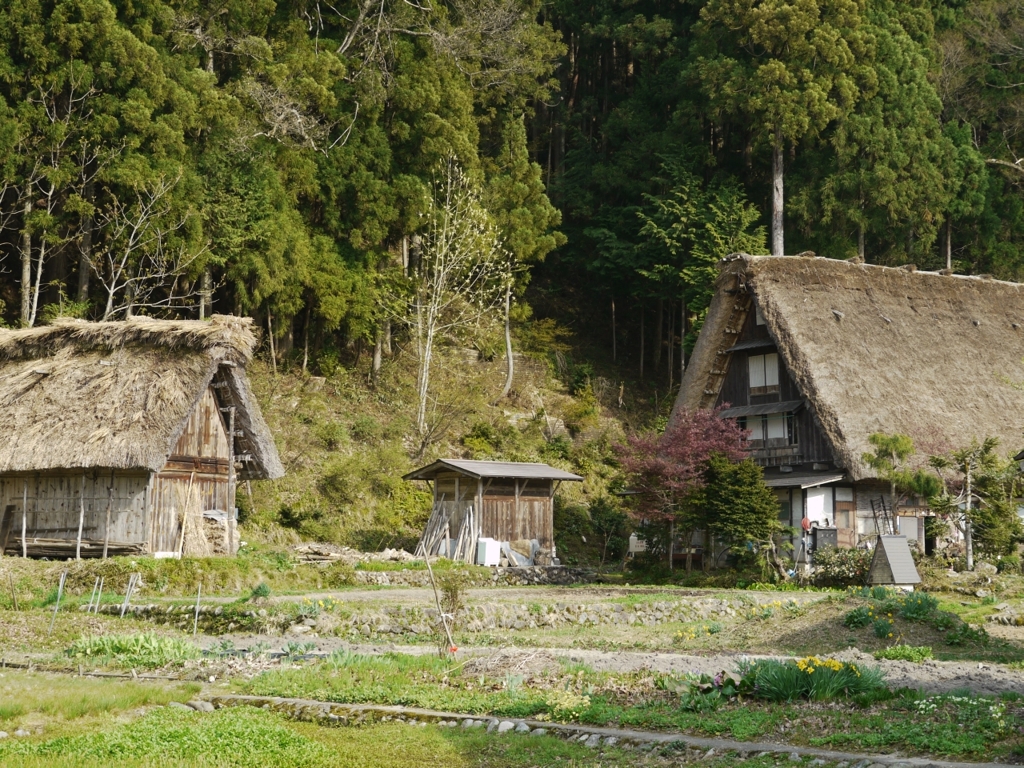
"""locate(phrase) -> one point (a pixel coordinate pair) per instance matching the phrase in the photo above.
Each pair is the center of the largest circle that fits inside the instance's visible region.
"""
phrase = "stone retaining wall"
(502, 577)
(419, 621)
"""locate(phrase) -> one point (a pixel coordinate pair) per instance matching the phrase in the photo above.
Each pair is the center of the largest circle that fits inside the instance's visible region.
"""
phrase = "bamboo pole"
(56, 606)
(195, 620)
(81, 520)
(188, 498)
(110, 505)
(24, 521)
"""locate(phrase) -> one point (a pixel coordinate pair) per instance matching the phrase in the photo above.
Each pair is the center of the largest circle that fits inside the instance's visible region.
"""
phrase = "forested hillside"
(393, 187)
(280, 158)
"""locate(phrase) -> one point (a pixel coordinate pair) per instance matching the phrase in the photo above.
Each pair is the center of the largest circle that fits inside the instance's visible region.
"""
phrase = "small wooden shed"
(119, 436)
(892, 564)
(501, 500)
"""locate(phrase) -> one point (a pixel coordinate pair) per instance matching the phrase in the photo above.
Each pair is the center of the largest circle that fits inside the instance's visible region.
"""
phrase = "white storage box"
(488, 551)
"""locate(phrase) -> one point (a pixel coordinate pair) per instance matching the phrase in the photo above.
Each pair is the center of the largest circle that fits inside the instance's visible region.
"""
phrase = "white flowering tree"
(459, 283)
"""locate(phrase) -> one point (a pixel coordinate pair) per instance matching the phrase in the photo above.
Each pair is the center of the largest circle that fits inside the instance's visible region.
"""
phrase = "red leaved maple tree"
(665, 471)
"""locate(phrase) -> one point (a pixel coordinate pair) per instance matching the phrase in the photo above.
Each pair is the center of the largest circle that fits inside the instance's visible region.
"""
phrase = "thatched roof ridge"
(880, 349)
(78, 395)
(224, 336)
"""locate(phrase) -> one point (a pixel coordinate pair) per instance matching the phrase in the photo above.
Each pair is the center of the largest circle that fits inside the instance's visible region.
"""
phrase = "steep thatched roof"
(878, 349)
(118, 395)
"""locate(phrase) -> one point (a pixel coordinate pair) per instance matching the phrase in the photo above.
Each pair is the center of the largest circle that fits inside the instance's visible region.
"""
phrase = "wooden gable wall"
(814, 446)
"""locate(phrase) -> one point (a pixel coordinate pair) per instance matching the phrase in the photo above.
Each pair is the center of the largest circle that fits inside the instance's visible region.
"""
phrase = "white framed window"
(764, 373)
(773, 430)
(758, 317)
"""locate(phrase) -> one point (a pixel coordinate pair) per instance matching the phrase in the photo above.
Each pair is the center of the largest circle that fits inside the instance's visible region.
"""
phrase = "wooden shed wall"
(142, 511)
(201, 459)
(54, 501)
(502, 517)
(531, 517)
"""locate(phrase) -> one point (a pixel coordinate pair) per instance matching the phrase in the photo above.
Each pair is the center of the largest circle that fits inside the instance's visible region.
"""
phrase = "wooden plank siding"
(812, 445)
(201, 457)
(144, 507)
(508, 518)
(54, 503)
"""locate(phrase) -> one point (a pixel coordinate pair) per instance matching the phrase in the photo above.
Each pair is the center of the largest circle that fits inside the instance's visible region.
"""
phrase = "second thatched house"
(121, 437)
(814, 355)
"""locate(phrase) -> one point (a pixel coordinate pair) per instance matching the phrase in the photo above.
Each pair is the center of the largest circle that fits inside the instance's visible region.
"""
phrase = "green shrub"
(914, 653)
(858, 617)
(943, 621)
(965, 634)
(809, 678)
(918, 606)
(882, 628)
(835, 567)
(332, 434)
(145, 651)
(261, 590)
(582, 413)
(1009, 564)
(366, 429)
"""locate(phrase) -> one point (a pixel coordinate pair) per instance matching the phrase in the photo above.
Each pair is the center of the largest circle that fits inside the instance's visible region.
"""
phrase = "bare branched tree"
(66, 105)
(463, 274)
(142, 263)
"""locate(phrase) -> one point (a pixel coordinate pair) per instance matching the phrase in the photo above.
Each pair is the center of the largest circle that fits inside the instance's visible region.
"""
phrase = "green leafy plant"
(1009, 564)
(144, 651)
(918, 606)
(965, 634)
(914, 653)
(858, 617)
(882, 628)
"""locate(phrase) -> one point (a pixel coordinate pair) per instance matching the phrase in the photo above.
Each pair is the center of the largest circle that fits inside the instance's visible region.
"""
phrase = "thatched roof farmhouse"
(118, 436)
(814, 355)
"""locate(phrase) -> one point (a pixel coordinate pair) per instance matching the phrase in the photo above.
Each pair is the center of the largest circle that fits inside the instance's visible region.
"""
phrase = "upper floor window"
(773, 430)
(764, 373)
(758, 317)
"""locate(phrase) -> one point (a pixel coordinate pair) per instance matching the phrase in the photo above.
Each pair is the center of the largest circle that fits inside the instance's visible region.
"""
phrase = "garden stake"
(132, 580)
(93, 595)
(60, 591)
(99, 597)
(195, 621)
(14, 595)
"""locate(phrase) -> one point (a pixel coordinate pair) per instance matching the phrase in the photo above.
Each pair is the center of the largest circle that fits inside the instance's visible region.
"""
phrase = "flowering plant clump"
(567, 705)
(883, 628)
(840, 567)
(980, 713)
(695, 632)
(811, 677)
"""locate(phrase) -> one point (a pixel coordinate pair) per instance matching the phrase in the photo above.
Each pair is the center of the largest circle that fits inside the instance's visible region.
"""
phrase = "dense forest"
(312, 164)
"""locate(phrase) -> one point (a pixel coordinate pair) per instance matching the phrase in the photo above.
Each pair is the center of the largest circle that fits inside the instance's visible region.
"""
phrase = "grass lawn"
(906, 720)
(247, 737)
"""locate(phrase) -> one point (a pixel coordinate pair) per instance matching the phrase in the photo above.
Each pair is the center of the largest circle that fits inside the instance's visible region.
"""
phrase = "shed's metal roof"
(752, 344)
(514, 469)
(801, 480)
(895, 550)
(785, 406)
